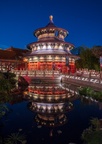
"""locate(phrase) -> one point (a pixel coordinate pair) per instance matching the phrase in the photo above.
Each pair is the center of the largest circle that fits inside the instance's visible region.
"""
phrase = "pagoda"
(50, 51)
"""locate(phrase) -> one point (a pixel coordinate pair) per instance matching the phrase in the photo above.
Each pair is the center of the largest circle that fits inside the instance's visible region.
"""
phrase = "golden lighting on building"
(25, 60)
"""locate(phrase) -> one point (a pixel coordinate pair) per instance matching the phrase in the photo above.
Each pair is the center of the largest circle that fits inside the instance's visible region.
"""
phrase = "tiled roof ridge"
(13, 48)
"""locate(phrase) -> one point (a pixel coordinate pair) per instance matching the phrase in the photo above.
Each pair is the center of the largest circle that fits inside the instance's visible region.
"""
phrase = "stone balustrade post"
(89, 75)
(53, 73)
(27, 73)
(44, 74)
(100, 77)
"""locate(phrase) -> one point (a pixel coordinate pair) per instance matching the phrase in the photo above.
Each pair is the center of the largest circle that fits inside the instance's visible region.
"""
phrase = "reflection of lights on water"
(49, 102)
(51, 121)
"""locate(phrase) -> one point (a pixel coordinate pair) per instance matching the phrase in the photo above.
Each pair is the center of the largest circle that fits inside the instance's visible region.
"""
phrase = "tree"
(7, 82)
(93, 134)
(95, 124)
(15, 138)
(3, 110)
(87, 59)
(97, 51)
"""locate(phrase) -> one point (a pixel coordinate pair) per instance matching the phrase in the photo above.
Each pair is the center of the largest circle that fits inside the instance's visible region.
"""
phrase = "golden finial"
(51, 18)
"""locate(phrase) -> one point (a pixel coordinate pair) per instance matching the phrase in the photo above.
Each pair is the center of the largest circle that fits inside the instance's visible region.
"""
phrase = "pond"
(49, 114)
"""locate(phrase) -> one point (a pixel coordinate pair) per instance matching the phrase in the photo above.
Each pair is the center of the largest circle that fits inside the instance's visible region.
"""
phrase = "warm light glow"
(38, 106)
(35, 58)
(44, 47)
(60, 47)
(44, 107)
(38, 48)
(51, 18)
(49, 46)
(49, 57)
(67, 48)
(41, 58)
(25, 59)
(56, 46)
(49, 108)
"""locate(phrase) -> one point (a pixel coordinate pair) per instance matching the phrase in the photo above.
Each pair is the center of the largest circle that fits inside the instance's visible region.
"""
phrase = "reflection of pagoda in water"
(50, 102)
(51, 52)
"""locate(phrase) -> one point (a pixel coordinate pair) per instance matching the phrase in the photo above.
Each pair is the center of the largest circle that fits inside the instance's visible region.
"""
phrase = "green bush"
(93, 134)
(87, 91)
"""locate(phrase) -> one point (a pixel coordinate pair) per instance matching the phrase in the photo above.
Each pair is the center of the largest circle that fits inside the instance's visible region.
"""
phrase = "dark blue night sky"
(19, 18)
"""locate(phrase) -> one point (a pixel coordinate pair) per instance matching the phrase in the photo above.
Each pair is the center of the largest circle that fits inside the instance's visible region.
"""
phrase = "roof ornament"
(51, 18)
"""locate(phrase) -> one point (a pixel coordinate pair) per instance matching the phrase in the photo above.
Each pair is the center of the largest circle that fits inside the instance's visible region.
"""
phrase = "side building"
(12, 59)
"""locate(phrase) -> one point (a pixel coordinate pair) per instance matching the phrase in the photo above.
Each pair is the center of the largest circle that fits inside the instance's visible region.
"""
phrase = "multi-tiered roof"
(50, 40)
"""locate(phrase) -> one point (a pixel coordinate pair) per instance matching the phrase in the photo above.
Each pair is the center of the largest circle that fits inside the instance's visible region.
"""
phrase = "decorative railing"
(91, 74)
(81, 76)
(93, 81)
(37, 73)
